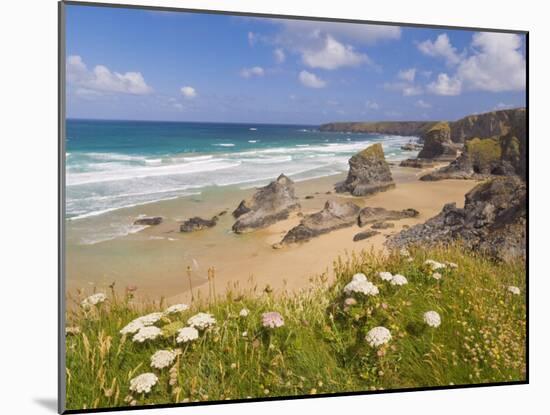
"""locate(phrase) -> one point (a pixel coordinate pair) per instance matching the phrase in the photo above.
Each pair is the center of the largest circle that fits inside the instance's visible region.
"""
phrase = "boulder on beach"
(368, 173)
(196, 224)
(493, 221)
(335, 215)
(364, 235)
(417, 163)
(377, 214)
(268, 205)
(148, 221)
(382, 225)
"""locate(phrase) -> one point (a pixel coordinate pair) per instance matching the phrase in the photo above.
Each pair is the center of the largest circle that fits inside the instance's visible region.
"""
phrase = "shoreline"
(155, 259)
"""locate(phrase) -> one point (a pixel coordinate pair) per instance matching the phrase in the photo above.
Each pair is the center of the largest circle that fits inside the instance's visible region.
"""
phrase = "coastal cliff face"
(405, 128)
(493, 221)
(489, 124)
(368, 173)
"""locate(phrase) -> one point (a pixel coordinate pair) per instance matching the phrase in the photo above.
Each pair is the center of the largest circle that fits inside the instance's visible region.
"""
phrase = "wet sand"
(155, 259)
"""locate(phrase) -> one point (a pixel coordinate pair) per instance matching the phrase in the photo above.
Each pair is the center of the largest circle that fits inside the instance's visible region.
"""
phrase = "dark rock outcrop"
(417, 163)
(489, 124)
(412, 146)
(364, 235)
(149, 221)
(438, 144)
(377, 214)
(196, 224)
(368, 173)
(335, 215)
(493, 221)
(382, 225)
(268, 205)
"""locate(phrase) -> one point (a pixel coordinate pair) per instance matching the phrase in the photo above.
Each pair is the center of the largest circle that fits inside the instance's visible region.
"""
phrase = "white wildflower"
(93, 299)
(132, 327)
(359, 277)
(176, 308)
(187, 334)
(74, 330)
(404, 252)
(201, 321)
(514, 290)
(147, 333)
(149, 319)
(244, 312)
(434, 265)
(398, 279)
(244, 333)
(436, 276)
(362, 287)
(272, 320)
(162, 359)
(385, 276)
(378, 336)
(432, 318)
(143, 383)
(451, 264)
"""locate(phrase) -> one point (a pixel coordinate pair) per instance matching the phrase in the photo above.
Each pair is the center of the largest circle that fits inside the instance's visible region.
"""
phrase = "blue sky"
(152, 65)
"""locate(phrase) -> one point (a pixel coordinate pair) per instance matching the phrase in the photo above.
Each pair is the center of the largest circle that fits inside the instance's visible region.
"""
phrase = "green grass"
(483, 152)
(322, 347)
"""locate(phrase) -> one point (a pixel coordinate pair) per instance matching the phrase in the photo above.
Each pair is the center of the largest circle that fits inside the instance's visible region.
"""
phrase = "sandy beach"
(155, 259)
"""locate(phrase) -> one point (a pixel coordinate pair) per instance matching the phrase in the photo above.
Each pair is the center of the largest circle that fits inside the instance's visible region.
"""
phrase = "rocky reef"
(368, 173)
(438, 145)
(196, 224)
(149, 221)
(268, 205)
(335, 215)
(493, 221)
(370, 215)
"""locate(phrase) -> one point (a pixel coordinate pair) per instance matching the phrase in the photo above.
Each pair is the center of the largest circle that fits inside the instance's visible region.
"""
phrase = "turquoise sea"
(116, 164)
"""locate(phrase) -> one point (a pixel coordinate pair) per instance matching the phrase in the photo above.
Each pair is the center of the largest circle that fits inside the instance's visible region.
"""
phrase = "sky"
(131, 64)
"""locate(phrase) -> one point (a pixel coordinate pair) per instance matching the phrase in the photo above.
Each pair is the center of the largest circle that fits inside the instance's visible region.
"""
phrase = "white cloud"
(441, 47)
(445, 85)
(372, 105)
(495, 63)
(407, 75)
(102, 80)
(422, 104)
(279, 55)
(311, 80)
(188, 92)
(252, 72)
(405, 83)
(333, 55)
(503, 106)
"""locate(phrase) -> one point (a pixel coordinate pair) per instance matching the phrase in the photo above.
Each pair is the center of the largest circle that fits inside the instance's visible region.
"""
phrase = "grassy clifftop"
(323, 341)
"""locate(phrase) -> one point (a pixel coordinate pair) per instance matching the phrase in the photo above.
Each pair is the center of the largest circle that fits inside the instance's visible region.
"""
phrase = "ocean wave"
(224, 145)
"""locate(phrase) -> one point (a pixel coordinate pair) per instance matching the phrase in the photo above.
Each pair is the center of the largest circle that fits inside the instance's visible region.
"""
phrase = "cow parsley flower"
(432, 318)
(132, 327)
(378, 336)
(176, 308)
(361, 287)
(436, 276)
(404, 252)
(162, 359)
(272, 320)
(201, 321)
(244, 312)
(514, 290)
(451, 264)
(93, 299)
(434, 265)
(147, 333)
(143, 383)
(359, 277)
(398, 279)
(187, 334)
(149, 319)
(385, 276)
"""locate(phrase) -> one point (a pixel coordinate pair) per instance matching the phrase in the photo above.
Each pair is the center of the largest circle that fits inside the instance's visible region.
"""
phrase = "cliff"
(489, 124)
(405, 128)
